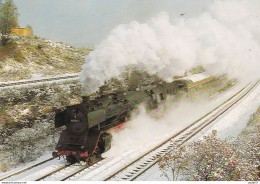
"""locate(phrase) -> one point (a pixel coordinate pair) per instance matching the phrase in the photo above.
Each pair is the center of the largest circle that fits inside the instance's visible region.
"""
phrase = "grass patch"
(11, 50)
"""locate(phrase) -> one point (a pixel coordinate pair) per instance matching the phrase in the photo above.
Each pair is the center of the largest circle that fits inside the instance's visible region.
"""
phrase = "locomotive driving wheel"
(90, 160)
(70, 160)
(98, 152)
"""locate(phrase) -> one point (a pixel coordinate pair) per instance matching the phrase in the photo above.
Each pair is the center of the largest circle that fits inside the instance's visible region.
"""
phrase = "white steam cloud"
(143, 129)
(225, 38)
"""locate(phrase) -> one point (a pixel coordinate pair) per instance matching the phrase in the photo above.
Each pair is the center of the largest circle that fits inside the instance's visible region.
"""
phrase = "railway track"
(69, 171)
(82, 169)
(26, 169)
(74, 169)
(22, 82)
(140, 165)
(51, 173)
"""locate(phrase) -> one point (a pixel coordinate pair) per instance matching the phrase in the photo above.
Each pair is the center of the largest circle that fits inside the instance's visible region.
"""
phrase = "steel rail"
(80, 170)
(51, 173)
(178, 133)
(64, 167)
(73, 174)
(26, 169)
(16, 83)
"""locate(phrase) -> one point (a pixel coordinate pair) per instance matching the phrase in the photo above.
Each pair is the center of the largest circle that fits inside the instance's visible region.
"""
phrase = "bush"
(196, 70)
(11, 50)
(4, 167)
(39, 46)
(213, 159)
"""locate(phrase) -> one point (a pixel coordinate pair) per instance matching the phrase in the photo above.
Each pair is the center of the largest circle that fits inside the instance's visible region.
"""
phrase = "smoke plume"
(224, 38)
(144, 129)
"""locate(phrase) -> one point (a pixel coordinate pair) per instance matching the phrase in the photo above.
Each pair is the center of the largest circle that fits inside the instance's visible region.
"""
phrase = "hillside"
(27, 57)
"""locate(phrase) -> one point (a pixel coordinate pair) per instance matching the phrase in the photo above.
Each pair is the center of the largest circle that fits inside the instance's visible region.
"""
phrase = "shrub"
(213, 159)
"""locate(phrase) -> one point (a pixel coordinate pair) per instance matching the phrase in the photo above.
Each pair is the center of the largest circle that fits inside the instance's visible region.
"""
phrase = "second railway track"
(25, 169)
(22, 82)
(65, 172)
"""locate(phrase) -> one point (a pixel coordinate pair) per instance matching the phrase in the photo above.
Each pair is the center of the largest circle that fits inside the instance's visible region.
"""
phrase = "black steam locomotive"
(86, 135)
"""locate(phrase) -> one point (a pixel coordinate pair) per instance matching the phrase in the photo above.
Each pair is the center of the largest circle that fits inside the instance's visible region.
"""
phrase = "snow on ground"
(230, 124)
(46, 156)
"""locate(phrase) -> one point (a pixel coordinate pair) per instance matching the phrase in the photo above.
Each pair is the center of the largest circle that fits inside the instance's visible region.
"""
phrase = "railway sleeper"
(169, 147)
(182, 137)
(178, 140)
(187, 133)
(146, 163)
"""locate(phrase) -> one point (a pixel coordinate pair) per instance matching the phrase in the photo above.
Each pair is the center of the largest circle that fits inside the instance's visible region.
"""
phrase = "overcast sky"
(84, 23)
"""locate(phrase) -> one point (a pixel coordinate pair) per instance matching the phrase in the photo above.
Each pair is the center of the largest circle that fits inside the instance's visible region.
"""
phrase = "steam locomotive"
(86, 135)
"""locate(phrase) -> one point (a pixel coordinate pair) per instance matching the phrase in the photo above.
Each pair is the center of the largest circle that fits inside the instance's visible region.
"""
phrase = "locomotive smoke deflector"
(59, 119)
